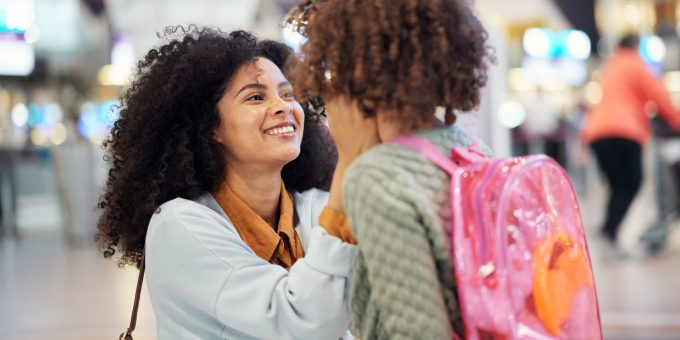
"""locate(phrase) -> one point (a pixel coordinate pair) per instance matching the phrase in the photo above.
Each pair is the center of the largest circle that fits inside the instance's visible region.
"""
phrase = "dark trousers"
(621, 161)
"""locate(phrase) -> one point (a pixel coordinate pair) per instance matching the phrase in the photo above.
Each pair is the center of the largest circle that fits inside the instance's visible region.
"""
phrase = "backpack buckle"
(467, 155)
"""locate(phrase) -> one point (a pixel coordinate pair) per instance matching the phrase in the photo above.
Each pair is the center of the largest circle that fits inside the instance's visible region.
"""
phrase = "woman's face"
(261, 122)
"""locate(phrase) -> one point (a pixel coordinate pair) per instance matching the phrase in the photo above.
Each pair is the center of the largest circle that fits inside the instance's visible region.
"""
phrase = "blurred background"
(63, 64)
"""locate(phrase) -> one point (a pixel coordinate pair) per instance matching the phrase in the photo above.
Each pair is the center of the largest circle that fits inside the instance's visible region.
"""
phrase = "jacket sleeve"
(654, 90)
(394, 276)
(204, 268)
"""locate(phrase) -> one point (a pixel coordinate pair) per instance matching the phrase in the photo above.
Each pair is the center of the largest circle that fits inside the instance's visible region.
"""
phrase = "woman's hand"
(353, 135)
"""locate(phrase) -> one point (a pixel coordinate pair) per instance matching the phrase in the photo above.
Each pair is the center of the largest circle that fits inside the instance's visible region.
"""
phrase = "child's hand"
(352, 132)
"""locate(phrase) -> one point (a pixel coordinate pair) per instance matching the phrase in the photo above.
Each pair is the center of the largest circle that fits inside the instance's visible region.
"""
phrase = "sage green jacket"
(397, 203)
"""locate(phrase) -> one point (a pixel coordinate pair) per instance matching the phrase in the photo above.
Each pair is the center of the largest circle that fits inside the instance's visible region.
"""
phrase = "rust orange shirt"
(337, 224)
(627, 86)
(280, 246)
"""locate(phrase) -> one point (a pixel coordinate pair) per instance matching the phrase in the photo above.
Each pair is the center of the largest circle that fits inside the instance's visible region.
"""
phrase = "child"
(383, 67)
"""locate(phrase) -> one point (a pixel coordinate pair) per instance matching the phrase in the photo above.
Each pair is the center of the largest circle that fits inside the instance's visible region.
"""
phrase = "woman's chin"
(287, 156)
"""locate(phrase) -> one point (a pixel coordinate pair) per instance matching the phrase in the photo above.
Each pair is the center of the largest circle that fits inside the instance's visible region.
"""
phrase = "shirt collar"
(255, 232)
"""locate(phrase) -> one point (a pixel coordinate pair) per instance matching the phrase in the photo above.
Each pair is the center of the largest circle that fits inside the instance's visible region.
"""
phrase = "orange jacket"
(627, 85)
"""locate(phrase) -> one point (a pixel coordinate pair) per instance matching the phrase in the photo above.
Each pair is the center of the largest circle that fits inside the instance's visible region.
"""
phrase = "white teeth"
(280, 131)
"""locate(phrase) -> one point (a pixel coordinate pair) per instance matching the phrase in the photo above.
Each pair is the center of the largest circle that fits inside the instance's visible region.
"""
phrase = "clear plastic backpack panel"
(544, 234)
(484, 298)
(521, 261)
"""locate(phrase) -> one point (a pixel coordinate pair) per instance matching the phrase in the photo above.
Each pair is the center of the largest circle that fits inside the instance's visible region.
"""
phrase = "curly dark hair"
(406, 57)
(163, 145)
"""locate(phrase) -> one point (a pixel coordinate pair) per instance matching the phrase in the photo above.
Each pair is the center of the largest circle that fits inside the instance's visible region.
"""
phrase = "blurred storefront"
(63, 65)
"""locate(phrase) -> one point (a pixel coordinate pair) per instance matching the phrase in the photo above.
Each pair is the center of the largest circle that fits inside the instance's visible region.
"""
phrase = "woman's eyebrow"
(251, 86)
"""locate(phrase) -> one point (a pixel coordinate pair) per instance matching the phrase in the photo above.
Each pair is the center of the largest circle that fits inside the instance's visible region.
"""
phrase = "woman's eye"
(288, 95)
(254, 98)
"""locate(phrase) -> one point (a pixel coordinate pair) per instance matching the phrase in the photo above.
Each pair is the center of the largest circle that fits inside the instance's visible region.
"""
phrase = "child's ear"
(387, 128)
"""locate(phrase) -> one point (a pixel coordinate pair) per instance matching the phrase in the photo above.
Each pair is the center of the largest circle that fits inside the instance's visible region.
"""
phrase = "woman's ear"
(216, 136)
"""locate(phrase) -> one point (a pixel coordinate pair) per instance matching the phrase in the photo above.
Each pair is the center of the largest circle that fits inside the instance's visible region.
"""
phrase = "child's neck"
(388, 129)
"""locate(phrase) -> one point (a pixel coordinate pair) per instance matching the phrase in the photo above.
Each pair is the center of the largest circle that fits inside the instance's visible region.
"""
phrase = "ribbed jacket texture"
(397, 202)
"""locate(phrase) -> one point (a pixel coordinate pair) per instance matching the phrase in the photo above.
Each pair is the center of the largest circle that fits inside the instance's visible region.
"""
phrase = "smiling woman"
(217, 184)
(257, 90)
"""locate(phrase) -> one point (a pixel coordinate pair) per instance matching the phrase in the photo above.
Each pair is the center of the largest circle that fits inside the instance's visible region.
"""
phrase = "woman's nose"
(283, 106)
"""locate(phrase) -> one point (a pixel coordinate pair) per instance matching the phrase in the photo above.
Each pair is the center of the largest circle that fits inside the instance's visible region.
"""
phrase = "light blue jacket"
(206, 283)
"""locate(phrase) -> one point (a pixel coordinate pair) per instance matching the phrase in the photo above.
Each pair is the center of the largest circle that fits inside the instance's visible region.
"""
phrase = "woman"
(216, 181)
(383, 68)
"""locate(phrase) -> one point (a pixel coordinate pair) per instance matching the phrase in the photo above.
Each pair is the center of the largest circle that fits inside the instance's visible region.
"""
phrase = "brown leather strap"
(127, 335)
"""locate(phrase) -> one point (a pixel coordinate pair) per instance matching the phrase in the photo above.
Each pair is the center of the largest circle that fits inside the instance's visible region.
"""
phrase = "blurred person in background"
(217, 183)
(543, 130)
(618, 126)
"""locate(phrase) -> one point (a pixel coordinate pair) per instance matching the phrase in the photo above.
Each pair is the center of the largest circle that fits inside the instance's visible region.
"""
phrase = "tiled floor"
(49, 290)
(639, 297)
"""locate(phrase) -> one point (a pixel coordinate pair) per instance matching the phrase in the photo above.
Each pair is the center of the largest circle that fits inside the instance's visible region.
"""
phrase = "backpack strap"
(423, 146)
(469, 154)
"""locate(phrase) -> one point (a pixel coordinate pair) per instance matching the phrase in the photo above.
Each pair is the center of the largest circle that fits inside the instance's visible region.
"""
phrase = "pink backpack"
(519, 251)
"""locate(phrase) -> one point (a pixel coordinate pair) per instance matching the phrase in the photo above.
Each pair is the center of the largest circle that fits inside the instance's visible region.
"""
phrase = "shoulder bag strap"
(127, 334)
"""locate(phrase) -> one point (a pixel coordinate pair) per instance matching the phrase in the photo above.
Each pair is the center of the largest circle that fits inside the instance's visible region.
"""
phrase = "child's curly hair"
(162, 147)
(406, 57)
